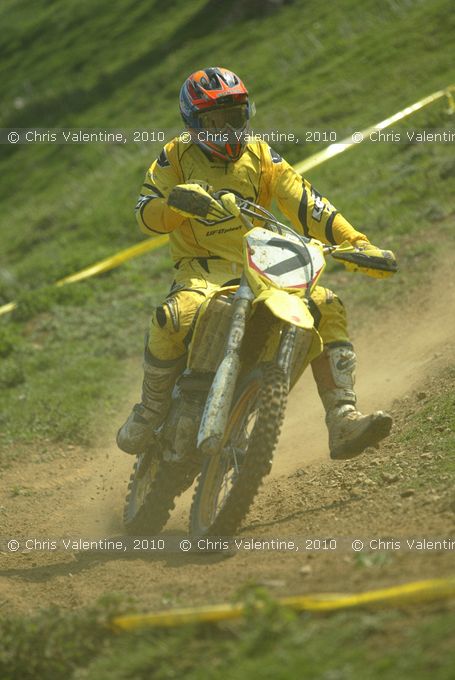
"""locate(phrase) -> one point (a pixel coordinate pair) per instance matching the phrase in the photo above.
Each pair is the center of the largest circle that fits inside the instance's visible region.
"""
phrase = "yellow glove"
(193, 200)
(229, 203)
(366, 258)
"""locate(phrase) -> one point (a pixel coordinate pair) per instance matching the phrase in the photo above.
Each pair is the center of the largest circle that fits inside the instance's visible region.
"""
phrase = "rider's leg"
(157, 384)
(165, 357)
(350, 432)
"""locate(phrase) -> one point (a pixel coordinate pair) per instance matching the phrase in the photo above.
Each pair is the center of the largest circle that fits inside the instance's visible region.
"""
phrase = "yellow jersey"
(259, 175)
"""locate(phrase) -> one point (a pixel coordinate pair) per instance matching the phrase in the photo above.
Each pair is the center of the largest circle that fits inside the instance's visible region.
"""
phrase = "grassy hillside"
(307, 66)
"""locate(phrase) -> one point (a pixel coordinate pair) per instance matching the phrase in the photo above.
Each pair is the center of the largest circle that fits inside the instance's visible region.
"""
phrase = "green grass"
(65, 351)
(431, 429)
(269, 643)
(425, 431)
(114, 68)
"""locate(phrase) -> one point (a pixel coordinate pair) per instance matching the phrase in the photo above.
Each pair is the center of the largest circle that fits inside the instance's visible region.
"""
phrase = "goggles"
(235, 117)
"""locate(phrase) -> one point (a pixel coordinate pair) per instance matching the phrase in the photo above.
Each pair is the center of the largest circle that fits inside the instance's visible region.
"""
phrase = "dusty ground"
(80, 494)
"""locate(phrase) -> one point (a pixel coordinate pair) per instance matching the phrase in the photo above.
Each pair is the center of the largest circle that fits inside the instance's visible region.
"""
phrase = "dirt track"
(80, 494)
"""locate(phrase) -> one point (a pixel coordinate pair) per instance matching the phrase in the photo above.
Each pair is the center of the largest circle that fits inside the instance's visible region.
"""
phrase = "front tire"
(230, 479)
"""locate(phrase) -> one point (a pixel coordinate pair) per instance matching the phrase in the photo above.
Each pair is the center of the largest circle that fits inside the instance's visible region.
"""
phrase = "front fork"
(286, 350)
(218, 404)
(295, 349)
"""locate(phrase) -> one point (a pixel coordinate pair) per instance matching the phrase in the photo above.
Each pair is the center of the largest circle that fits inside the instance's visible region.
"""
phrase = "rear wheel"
(230, 480)
(154, 485)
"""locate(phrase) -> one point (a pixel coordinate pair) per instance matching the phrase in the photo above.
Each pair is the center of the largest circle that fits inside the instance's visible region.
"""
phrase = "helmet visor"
(235, 117)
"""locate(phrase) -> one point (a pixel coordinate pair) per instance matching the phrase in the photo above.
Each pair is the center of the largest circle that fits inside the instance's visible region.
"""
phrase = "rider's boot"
(350, 432)
(159, 378)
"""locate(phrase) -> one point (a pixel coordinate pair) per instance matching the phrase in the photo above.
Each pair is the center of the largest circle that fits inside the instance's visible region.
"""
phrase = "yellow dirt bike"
(250, 344)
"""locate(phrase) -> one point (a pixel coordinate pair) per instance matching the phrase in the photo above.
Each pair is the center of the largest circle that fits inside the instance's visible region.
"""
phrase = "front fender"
(286, 306)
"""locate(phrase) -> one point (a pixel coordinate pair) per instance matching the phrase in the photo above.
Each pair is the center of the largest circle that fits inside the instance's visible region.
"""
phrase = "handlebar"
(376, 262)
(250, 210)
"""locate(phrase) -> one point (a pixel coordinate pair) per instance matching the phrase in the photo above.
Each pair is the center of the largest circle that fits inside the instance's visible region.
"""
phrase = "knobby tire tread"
(258, 460)
(170, 482)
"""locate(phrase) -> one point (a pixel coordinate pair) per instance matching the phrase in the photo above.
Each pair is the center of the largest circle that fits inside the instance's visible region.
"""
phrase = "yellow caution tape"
(408, 593)
(311, 162)
(115, 260)
(345, 144)
(7, 308)
(104, 265)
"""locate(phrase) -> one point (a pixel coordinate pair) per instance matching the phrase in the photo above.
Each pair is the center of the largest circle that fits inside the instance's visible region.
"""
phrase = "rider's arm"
(152, 213)
(307, 209)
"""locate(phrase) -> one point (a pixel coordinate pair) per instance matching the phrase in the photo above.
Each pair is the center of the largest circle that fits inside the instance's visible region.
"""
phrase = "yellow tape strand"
(335, 149)
(104, 265)
(307, 164)
(8, 308)
(115, 260)
(408, 593)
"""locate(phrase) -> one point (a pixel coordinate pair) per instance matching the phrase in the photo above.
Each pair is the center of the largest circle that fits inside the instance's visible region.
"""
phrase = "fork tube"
(218, 404)
(286, 350)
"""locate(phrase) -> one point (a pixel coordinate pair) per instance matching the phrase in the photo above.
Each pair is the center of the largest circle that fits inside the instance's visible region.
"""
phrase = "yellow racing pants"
(198, 278)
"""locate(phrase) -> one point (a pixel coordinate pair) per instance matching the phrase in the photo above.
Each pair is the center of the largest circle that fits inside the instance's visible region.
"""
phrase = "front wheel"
(230, 479)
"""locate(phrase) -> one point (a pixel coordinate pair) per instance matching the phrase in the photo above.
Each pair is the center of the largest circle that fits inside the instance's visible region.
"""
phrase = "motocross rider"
(207, 252)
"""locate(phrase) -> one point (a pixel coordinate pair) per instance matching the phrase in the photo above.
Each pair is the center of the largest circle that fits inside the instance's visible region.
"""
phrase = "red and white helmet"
(215, 107)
